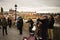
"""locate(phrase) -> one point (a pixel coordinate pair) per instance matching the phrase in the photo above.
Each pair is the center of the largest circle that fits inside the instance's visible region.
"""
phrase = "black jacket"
(20, 23)
(38, 20)
(9, 21)
(30, 22)
(51, 23)
(44, 24)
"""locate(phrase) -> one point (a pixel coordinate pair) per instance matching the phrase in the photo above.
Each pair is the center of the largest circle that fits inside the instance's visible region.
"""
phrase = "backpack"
(4, 22)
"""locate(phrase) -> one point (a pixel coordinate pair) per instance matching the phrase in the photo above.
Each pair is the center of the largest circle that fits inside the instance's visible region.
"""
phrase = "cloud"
(0, 0)
(31, 5)
(53, 3)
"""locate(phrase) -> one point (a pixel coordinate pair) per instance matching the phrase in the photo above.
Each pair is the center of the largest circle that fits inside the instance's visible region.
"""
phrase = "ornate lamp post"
(15, 11)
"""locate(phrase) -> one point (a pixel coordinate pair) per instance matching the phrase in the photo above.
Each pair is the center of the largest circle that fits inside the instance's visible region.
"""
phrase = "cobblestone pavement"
(13, 34)
(57, 33)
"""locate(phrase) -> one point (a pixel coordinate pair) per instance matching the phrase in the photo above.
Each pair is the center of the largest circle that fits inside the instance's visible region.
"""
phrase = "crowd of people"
(44, 26)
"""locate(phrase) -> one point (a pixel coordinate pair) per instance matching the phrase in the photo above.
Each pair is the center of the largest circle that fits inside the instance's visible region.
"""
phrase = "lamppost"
(15, 11)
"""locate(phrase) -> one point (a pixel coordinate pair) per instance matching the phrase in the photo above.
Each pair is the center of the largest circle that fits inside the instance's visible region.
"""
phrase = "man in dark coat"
(4, 25)
(51, 27)
(45, 28)
(20, 24)
(30, 21)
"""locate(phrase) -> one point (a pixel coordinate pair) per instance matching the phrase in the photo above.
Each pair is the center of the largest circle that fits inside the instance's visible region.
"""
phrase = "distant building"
(11, 11)
(27, 15)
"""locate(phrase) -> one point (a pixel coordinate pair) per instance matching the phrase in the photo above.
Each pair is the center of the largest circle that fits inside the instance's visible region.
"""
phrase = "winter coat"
(20, 23)
(4, 22)
(30, 23)
(9, 21)
(51, 23)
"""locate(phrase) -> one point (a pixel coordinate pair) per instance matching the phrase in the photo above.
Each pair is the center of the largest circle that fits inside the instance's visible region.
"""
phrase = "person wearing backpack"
(4, 25)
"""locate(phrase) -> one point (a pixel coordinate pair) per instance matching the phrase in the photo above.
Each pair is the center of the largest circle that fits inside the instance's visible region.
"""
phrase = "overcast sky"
(32, 5)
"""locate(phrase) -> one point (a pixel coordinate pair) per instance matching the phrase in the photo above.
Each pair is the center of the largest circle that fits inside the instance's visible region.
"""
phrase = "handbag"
(34, 28)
